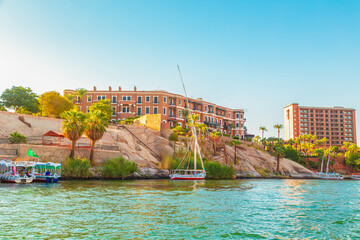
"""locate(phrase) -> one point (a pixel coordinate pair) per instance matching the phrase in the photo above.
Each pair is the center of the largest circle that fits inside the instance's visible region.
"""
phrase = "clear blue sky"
(256, 55)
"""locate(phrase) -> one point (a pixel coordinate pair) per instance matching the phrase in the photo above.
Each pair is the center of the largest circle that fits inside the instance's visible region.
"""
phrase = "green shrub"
(118, 168)
(226, 135)
(313, 164)
(174, 137)
(215, 170)
(248, 139)
(76, 168)
(16, 137)
(235, 137)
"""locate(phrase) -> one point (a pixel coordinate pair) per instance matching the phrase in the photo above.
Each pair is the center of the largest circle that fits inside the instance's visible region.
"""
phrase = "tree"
(262, 129)
(17, 97)
(278, 127)
(103, 106)
(202, 130)
(53, 104)
(185, 113)
(279, 152)
(256, 138)
(73, 127)
(96, 123)
(291, 142)
(214, 135)
(80, 92)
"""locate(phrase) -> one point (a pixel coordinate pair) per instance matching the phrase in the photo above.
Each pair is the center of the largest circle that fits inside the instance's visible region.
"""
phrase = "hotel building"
(134, 103)
(337, 124)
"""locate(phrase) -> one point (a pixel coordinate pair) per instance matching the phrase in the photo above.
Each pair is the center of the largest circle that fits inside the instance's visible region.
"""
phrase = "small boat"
(182, 173)
(15, 172)
(355, 176)
(331, 176)
(47, 172)
(326, 175)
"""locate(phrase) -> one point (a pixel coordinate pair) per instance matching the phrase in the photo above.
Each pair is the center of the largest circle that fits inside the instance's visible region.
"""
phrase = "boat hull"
(187, 178)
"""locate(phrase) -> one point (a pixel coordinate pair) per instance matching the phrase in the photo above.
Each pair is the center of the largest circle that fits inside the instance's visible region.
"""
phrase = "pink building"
(337, 124)
(134, 103)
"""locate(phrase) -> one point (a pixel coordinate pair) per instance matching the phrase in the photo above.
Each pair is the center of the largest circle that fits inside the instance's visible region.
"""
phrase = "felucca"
(182, 173)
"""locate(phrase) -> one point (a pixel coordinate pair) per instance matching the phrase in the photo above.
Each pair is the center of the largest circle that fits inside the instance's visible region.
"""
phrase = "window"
(242, 115)
(124, 98)
(89, 98)
(147, 99)
(164, 111)
(165, 99)
(129, 98)
(138, 112)
(147, 110)
(237, 115)
(114, 111)
(77, 99)
(180, 102)
(205, 118)
(156, 99)
(229, 115)
(155, 110)
(125, 109)
(179, 113)
(87, 109)
(113, 99)
(101, 98)
(205, 108)
(139, 99)
(220, 122)
(237, 125)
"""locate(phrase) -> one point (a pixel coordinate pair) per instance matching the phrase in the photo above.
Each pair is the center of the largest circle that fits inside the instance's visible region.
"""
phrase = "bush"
(226, 135)
(174, 137)
(118, 168)
(248, 139)
(314, 164)
(215, 170)
(16, 137)
(76, 168)
(235, 137)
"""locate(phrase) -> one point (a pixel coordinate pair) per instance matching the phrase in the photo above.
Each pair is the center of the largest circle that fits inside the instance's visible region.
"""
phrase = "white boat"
(355, 176)
(331, 176)
(326, 175)
(47, 172)
(182, 173)
(15, 172)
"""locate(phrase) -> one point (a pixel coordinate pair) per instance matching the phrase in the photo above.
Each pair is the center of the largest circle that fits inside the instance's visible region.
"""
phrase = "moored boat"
(47, 172)
(15, 172)
(182, 173)
(355, 176)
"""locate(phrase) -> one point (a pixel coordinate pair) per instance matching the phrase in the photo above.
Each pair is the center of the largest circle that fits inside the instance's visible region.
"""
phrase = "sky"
(256, 55)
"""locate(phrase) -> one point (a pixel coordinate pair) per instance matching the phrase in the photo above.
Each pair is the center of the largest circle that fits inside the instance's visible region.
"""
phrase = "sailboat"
(189, 174)
(326, 175)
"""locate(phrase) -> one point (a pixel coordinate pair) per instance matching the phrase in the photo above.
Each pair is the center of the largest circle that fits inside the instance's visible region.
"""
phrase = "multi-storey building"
(134, 103)
(337, 124)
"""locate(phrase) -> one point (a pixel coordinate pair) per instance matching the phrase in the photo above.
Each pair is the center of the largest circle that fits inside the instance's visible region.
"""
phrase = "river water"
(163, 209)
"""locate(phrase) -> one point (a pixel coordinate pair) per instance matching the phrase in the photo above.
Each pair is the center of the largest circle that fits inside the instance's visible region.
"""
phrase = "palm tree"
(291, 142)
(80, 92)
(96, 124)
(262, 129)
(73, 127)
(278, 127)
(278, 153)
(256, 138)
(214, 135)
(185, 114)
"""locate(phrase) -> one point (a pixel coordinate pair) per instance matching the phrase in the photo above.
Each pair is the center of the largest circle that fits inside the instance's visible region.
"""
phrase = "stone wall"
(58, 154)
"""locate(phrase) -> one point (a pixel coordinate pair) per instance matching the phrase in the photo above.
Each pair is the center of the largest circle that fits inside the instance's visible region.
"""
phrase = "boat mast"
(192, 123)
(322, 162)
(327, 165)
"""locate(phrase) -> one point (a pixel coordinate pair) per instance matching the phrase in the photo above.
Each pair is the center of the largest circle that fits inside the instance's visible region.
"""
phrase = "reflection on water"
(162, 209)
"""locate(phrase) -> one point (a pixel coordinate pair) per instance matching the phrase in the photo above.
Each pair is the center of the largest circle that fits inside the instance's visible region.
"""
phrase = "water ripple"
(162, 209)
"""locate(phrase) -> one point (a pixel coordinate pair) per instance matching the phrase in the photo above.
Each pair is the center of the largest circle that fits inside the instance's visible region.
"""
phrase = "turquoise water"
(162, 209)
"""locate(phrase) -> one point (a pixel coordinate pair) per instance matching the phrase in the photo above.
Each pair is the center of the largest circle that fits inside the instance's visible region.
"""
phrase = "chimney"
(110, 88)
(94, 88)
(119, 89)
(134, 88)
